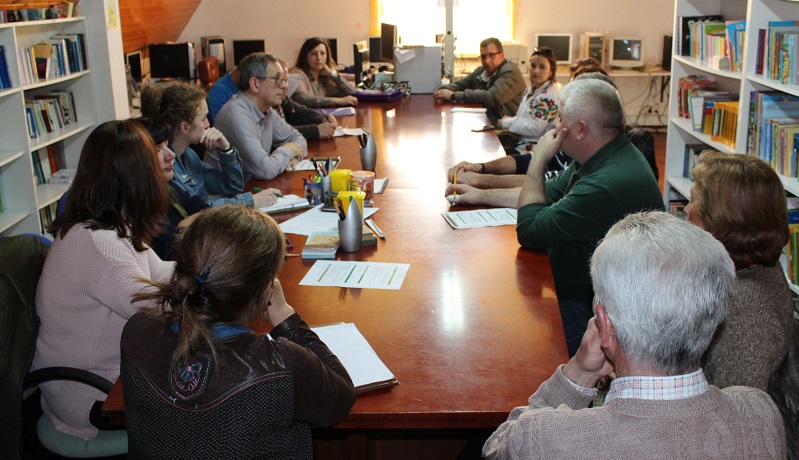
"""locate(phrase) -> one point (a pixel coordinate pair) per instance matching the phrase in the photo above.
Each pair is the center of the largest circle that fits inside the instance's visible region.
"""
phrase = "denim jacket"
(195, 177)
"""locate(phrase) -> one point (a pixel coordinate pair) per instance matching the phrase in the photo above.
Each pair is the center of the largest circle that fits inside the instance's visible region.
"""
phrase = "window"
(419, 21)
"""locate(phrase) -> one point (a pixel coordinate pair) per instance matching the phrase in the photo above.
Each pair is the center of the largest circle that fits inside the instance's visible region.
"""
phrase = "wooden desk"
(475, 328)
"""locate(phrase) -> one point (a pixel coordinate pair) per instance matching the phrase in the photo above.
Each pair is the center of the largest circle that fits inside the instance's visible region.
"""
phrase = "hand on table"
(347, 101)
(443, 94)
(266, 197)
(326, 130)
(463, 194)
(463, 166)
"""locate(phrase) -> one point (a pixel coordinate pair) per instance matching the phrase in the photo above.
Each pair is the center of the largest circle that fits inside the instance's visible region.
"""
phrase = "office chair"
(208, 71)
(21, 261)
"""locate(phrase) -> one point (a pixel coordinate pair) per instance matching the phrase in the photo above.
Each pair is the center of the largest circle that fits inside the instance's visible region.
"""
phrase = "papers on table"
(286, 203)
(380, 185)
(368, 275)
(338, 112)
(366, 369)
(481, 218)
(348, 132)
(468, 109)
(308, 164)
(316, 220)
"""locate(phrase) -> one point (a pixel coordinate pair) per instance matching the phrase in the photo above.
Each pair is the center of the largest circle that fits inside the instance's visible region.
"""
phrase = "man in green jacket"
(497, 84)
(569, 215)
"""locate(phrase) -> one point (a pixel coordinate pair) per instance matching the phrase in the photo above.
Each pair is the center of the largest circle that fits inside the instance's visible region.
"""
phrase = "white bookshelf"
(757, 14)
(95, 102)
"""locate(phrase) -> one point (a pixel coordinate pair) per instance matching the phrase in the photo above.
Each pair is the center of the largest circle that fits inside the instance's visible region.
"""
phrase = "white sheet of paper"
(468, 109)
(355, 353)
(367, 275)
(380, 185)
(348, 132)
(308, 165)
(286, 202)
(481, 218)
(316, 220)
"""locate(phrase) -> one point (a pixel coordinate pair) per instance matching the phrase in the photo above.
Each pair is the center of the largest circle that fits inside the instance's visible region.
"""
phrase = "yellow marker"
(455, 181)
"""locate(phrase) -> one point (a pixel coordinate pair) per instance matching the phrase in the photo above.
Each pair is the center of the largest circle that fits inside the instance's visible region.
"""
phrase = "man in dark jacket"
(497, 84)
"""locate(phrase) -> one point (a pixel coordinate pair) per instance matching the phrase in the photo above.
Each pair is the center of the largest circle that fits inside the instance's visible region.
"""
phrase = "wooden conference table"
(475, 327)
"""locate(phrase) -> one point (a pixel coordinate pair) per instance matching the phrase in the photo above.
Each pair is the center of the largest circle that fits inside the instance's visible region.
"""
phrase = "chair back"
(783, 387)
(208, 71)
(21, 261)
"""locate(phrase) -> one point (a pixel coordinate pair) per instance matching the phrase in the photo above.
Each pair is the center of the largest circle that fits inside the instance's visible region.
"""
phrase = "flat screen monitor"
(626, 52)
(242, 48)
(561, 44)
(388, 40)
(375, 47)
(172, 60)
(134, 61)
(361, 60)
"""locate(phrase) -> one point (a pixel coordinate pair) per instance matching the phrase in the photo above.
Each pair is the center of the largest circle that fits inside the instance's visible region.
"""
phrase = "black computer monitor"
(361, 59)
(242, 48)
(375, 48)
(171, 60)
(388, 40)
(134, 61)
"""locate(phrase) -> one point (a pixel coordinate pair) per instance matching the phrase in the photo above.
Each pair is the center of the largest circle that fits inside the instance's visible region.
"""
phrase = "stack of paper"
(321, 245)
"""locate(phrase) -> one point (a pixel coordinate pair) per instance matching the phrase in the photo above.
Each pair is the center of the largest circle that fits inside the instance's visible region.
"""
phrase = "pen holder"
(350, 196)
(340, 180)
(313, 193)
(350, 230)
(369, 154)
(327, 184)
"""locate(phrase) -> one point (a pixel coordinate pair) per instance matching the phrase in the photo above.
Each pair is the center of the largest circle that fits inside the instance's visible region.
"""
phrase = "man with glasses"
(267, 144)
(497, 84)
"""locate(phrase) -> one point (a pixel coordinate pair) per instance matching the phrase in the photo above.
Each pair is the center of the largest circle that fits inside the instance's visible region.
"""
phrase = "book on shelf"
(692, 153)
(697, 105)
(685, 38)
(5, 75)
(46, 216)
(736, 36)
(366, 369)
(725, 122)
(12, 12)
(677, 208)
(765, 106)
(49, 112)
(691, 86)
(66, 176)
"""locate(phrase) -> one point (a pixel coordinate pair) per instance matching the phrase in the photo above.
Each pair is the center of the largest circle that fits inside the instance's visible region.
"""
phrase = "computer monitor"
(172, 60)
(134, 61)
(375, 47)
(360, 53)
(561, 44)
(626, 52)
(388, 40)
(242, 48)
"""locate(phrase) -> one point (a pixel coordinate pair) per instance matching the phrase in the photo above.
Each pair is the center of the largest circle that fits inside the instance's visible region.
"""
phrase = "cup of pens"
(314, 191)
(368, 151)
(350, 226)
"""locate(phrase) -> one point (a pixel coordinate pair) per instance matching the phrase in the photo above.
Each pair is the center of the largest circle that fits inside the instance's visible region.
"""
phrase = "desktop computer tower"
(592, 45)
(667, 39)
(518, 54)
(214, 46)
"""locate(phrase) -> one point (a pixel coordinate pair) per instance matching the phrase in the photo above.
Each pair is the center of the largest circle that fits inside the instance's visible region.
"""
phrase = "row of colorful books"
(712, 40)
(46, 113)
(5, 76)
(692, 153)
(777, 49)
(792, 248)
(61, 55)
(711, 111)
(46, 216)
(773, 123)
(45, 163)
(58, 11)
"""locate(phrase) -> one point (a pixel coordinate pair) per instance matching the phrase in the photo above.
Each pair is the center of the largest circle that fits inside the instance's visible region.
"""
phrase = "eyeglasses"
(279, 81)
(488, 55)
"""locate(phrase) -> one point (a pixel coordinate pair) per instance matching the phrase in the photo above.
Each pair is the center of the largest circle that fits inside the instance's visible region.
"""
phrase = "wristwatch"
(334, 74)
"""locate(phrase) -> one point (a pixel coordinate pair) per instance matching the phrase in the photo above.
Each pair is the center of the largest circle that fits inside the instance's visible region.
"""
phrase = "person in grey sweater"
(740, 200)
(661, 287)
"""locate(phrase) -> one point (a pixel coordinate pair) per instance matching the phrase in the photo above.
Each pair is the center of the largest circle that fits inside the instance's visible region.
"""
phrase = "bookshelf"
(95, 101)
(757, 14)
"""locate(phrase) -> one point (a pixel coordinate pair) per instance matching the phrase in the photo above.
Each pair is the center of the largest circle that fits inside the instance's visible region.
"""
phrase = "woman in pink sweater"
(99, 256)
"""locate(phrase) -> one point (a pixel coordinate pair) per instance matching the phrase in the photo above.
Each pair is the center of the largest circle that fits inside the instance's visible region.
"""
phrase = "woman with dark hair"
(538, 110)
(84, 297)
(320, 85)
(183, 208)
(740, 200)
(192, 369)
(182, 109)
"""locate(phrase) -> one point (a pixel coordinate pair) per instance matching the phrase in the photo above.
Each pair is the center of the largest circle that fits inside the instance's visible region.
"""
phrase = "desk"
(475, 328)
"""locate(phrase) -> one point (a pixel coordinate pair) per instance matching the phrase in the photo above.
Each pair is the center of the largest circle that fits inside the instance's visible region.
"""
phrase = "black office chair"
(21, 262)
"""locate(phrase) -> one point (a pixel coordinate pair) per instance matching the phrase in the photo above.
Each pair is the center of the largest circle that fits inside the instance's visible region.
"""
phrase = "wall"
(285, 24)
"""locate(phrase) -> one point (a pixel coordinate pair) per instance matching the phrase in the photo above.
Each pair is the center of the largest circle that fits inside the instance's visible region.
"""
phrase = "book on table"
(323, 245)
(366, 369)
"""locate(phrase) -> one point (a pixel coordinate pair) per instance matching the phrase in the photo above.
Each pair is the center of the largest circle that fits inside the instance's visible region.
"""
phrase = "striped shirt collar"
(672, 387)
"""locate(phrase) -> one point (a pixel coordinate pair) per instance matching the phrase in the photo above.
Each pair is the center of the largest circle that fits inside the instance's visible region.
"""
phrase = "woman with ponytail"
(198, 382)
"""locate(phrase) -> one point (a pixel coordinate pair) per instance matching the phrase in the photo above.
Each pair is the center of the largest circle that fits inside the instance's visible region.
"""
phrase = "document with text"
(366, 275)
(481, 218)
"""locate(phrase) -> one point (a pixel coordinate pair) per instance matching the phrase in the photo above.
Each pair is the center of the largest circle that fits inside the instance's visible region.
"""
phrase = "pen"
(340, 210)
(373, 225)
(455, 181)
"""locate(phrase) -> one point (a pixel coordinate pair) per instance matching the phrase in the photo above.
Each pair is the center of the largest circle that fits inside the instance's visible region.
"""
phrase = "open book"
(366, 369)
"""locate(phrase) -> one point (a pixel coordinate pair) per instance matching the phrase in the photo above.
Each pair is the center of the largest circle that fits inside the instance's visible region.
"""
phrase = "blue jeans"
(575, 315)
